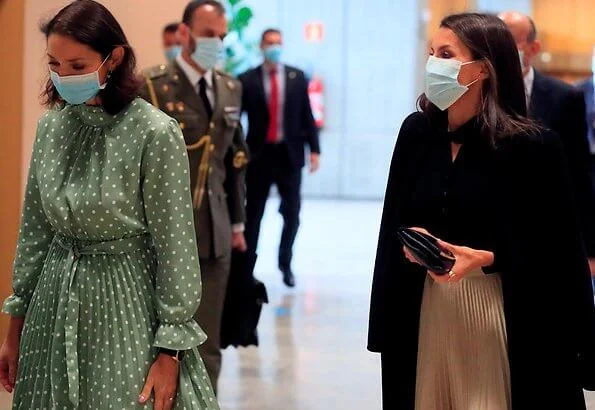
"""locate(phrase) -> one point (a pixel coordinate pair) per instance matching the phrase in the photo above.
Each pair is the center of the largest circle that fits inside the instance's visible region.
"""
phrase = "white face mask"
(442, 81)
(207, 52)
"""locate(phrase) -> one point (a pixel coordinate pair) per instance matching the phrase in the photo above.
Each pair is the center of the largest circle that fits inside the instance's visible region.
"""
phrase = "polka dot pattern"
(96, 182)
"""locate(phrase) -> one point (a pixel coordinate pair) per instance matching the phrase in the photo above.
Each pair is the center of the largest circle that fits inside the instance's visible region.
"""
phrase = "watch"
(177, 355)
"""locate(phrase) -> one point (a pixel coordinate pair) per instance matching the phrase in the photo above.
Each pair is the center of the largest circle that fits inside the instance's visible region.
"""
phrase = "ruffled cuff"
(15, 306)
(179, 336)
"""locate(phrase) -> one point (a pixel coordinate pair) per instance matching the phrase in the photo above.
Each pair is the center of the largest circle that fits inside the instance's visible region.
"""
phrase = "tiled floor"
(312, 354)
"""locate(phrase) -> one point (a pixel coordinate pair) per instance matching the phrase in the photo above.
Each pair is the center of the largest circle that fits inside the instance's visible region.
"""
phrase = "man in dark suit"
(561, 108)
(280, 124)
(206, 103)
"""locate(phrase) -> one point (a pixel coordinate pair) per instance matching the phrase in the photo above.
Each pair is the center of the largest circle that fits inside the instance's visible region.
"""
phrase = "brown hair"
(90, 23)
(503, 105)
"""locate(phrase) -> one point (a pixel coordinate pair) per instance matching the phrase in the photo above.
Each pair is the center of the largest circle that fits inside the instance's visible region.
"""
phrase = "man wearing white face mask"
(561, 108)
(207, 104)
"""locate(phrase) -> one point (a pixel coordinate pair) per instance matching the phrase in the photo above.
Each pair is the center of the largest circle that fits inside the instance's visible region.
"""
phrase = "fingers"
(4, 375)
(164, 399)
(146, 393)
(408, 255)
(12, 372)
(447, 246)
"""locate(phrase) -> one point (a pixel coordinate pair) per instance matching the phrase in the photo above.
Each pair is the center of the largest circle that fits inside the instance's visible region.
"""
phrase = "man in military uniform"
(207, 105)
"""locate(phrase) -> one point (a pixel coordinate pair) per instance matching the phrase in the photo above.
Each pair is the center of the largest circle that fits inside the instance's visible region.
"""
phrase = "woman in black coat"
(512, 325)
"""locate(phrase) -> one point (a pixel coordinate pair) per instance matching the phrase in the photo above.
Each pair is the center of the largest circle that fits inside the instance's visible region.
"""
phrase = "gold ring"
(451, 274)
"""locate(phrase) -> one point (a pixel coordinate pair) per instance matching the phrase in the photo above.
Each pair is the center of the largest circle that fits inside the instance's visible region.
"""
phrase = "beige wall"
(11, 33)
(142, 21)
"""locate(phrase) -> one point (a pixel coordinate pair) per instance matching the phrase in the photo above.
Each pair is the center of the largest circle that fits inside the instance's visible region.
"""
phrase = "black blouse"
(511, 197)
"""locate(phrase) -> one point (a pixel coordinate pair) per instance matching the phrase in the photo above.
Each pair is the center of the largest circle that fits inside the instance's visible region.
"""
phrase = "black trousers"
(273, 167)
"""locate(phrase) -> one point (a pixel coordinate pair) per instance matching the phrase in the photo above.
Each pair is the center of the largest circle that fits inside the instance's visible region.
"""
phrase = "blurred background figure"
(171, 44)
(206, 103)
(560, 107)
(280, 127)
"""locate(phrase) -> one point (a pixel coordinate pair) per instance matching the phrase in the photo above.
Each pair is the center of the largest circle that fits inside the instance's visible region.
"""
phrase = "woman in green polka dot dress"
(106, 277)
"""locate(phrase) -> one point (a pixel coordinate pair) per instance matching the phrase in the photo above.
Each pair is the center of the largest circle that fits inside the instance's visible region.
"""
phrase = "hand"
(592, 266)
(467, 260)
(163, 381)
(9, 354)
(314, 162)
(238, 241)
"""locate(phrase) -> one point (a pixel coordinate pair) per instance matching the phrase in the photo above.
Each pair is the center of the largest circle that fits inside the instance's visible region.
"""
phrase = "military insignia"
(162, 67)
(170, 106)
(212, 125)
(176, 77)
(180, 106)
(182, 125)
(239, 160)
(292, 75)
(231, 85)
(165, 88)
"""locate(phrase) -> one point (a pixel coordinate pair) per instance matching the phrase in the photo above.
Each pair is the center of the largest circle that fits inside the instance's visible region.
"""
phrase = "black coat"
(299, 125)
(561, 108)
(538, 250)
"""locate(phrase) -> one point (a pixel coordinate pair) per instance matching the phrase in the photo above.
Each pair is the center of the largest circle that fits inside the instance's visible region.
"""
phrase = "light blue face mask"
(171, 53)
(77, 89)
(273, 53)
(207, 52)
(442, 81)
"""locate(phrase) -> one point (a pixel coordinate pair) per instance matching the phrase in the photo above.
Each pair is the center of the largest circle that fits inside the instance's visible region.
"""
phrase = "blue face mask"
(207, 52)
(273, 53)
(442, 81)
(171, 53)
(77, 89)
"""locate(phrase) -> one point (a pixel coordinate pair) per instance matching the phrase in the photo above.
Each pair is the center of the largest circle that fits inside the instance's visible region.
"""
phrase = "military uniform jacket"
(217, 151)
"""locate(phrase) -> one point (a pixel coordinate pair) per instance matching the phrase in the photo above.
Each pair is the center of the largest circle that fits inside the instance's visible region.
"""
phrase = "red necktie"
(272, 136)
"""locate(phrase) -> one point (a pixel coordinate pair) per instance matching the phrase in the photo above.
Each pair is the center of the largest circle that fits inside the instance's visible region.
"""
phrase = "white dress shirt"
(529, 80)
(266, 79)
(194, 77)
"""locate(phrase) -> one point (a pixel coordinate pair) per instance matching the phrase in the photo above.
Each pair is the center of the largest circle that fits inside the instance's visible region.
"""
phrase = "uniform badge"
(180, 106)
(165, 88)
(170, 106)
(231, 85)
(176, 77)
(239, 159)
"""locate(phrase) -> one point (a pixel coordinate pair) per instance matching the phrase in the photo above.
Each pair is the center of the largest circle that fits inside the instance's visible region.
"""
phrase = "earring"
(109, 75)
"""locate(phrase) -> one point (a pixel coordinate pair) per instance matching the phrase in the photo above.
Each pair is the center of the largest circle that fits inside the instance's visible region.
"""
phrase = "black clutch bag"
(426, 251)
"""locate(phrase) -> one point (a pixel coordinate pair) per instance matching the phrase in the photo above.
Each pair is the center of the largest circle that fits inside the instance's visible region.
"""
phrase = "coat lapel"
(537, 108)
(260, 84)
(187, 92)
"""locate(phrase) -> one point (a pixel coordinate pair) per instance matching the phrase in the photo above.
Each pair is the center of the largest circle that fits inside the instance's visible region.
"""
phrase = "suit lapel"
(187, 92)
(259, 73)
(290, 83)
(221, 92)
(537, 108)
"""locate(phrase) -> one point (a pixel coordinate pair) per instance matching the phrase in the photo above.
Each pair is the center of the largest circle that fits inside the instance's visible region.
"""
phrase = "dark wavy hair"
(503, 111)
(90, 23)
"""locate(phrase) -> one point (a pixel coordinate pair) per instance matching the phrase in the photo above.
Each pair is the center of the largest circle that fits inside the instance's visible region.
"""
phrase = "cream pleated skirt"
(462, 357)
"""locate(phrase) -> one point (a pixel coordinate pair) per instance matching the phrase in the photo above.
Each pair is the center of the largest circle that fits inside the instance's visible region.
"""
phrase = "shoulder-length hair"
(503, 111)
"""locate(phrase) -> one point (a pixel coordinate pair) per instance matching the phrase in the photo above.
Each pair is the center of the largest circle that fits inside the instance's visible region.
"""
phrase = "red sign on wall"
(314, 32)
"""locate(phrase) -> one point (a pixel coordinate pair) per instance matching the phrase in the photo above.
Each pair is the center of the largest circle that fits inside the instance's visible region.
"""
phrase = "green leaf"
(243, 17)
(234, 2)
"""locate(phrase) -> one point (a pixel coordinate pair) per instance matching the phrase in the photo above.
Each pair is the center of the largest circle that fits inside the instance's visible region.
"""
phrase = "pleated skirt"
(462, 357)
(116, 327)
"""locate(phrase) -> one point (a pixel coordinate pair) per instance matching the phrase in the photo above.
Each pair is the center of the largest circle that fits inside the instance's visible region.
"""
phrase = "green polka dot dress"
(107, 267)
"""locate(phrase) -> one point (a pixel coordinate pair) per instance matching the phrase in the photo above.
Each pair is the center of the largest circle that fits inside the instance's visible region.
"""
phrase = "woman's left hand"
(163, 382)
(467, 260)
